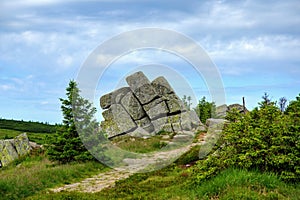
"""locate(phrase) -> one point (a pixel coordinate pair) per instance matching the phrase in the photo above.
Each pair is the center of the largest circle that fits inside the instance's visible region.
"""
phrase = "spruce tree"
(77, 116)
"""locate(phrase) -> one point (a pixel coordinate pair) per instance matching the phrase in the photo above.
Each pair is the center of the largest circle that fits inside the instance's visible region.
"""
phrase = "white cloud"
(6, 87)
(65, 61)
(38, 36)
(29, 3)
(44, 103)
(266, 47)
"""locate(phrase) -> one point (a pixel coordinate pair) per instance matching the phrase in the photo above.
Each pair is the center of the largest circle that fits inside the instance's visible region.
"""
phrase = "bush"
(205, 110)
(263, 139)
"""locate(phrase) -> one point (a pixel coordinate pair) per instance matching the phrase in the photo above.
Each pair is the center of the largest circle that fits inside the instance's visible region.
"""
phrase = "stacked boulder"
(222, 110)
(12, 149)
(145, 108)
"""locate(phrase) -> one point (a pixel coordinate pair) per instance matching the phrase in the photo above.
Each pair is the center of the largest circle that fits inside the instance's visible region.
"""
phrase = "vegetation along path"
(108, 179)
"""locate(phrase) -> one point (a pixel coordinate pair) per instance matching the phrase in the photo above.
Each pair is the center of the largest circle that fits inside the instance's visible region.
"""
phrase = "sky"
(255, 46)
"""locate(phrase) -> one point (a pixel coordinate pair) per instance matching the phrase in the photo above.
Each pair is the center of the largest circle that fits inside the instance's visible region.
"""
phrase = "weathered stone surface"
(239, 107)
(146, 124)
(140, 132)
(176, 127)
(161, 86)
(141, 87)
(143, 122)
(190, 120)
(105, 101)
(215, 123)
(221, 111)
(162, 124)
(7, 152)
(182, 138)
(146, 109)
(12, 149)
(175, 104)
(34, 145)
(133, 107)
(114, 97)
(117, 121)
(175, 122)
(157, 108)
(21, 143)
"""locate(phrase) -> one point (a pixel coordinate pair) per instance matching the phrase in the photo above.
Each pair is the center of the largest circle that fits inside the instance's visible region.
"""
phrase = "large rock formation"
(145, 108)
(12, 149)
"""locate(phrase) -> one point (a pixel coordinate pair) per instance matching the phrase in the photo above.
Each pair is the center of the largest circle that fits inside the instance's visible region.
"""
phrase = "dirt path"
(107, 179)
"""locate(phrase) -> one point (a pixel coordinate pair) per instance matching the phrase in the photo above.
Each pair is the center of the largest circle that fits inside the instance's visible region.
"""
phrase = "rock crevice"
(145, 108)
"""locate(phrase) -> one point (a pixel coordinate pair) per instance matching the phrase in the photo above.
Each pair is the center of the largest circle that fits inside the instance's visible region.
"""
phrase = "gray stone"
(149, 128)
(117, 121)
(215, 123)
(175, 121)
(114, 97)
(162, 124)
(132, 106)
(161, 86)
(176, 127)
(139, 132)
(8, 152)
(143, 122)
(105, 101)
(182, 138)
(146, 124)
(34, 145)
(141, 87)
(175, 104)
(156, 109)
(190, 120)
(12, 149)
(221, 111)
(145, 108)
(238, 107)
(21, 143)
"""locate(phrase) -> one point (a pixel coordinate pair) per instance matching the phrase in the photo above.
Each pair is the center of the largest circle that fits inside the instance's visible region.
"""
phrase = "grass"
(140, 145)
(31, 176)
(175, 182)
(34, 137)
(36, 173)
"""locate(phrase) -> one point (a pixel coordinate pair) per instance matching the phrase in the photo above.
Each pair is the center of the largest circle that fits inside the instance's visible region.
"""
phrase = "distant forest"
(20, 125)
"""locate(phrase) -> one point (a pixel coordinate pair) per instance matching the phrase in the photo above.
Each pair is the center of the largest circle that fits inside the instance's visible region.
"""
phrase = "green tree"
(293, 109)
(77, 115)
(187, 101)
(205, 109)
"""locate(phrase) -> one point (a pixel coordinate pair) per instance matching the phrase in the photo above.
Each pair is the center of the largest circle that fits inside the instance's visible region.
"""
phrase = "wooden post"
(244, 106)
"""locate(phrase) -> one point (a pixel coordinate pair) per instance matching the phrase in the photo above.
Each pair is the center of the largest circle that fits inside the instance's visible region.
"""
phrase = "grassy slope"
(34, 137)
(36, 173)
(172, 183)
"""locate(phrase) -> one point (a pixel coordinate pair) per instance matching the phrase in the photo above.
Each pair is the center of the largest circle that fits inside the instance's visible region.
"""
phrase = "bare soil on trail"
(108, 179)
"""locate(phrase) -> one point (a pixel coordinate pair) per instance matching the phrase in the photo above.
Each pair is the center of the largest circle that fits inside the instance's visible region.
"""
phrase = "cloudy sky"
(43, 44)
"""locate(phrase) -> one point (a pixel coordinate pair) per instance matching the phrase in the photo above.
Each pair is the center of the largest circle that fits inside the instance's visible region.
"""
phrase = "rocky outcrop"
(222, 110)
(145, 108)
(12, 149)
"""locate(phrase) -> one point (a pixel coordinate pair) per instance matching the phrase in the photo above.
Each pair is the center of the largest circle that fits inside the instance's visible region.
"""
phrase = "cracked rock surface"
(147, 107)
